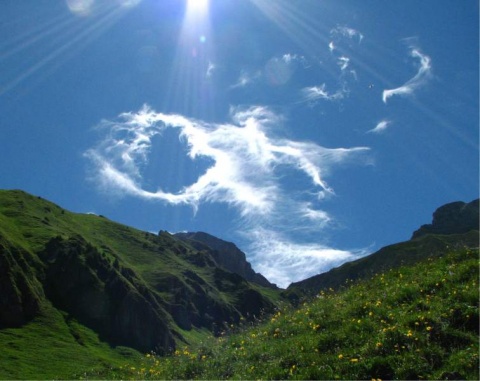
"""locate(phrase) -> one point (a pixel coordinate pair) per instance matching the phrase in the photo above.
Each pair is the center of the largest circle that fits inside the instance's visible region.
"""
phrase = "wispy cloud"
(249, 165)
(314, 93)
(246, 78)
(279, 70)
(345, 31)
(210, 69)
(380, 127)
(418, 80)
(279, 257)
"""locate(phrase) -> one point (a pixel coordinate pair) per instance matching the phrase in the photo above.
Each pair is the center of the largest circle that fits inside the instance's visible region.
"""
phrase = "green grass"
(55, 347)
(417, 322)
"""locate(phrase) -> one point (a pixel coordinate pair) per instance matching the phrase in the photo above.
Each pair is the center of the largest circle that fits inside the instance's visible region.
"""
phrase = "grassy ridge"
(416, 322)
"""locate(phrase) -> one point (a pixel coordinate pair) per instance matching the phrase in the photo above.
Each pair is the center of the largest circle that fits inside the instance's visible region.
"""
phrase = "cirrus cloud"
(423, 74)
(249, 163)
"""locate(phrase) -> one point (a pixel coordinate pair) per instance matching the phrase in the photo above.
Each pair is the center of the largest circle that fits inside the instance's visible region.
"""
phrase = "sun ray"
(70, 37)
(192, 64)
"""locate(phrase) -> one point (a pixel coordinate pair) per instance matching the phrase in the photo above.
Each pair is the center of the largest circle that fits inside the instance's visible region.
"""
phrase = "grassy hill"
(84, 297)
(79, 291)
(414, 322)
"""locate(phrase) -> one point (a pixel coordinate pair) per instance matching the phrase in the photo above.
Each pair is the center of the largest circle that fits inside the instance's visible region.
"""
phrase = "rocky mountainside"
(132, 288)
(226, 254)
(455, 224)
(454, 218)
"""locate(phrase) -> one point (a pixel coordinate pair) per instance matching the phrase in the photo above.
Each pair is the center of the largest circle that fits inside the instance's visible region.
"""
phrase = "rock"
(454, 218)
(226, 255)
(21, 293)
(113, 302)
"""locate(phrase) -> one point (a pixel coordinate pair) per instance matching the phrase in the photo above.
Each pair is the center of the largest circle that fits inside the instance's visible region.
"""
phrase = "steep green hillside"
(415, 322)
(117, 285)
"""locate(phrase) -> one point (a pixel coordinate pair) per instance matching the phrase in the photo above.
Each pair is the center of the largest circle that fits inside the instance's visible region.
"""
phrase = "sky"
(309, 133)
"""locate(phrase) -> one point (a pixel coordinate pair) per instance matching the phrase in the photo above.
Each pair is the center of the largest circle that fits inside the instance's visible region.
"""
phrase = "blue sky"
(307, 132)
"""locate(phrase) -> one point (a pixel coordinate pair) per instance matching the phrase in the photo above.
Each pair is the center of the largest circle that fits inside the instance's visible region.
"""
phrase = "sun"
(197, 5)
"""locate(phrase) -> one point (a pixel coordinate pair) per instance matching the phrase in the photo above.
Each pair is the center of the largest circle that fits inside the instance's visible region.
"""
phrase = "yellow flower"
(428, 328)
(340, 356)
(354, 360)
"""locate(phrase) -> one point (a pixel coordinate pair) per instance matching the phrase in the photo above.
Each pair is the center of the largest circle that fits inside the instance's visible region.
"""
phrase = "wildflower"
(428, 328)
(292, 369)
(379, 345)
(354, 360)
(409, 333)
(340, 356)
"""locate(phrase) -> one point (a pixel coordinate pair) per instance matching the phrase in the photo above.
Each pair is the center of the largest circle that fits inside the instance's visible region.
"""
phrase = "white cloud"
(249, 165)
(314, 93)
(343, 62)
(210, 69)
(418, 80)
(246, 79)
(283, 260)
(380, 127)
(347, 32)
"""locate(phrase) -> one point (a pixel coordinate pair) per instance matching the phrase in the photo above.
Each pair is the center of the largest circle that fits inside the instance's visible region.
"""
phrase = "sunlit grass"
(417, 322)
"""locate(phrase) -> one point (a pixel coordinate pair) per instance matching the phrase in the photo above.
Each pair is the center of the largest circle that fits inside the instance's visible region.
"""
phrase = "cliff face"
(113, 301)
(226, 255)
(20, 291)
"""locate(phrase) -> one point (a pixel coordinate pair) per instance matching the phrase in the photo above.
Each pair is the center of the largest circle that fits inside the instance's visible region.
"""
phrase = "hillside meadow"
(414, 322)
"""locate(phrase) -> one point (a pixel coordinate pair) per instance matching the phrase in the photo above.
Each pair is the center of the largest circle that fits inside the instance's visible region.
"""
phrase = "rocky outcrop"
(226, 255)
(21, 294)
(106, 297)
(454, 218)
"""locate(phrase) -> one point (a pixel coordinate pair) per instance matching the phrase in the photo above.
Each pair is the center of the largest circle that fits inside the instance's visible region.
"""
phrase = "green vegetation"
(80, 292)
(53, 346)
(414, 322)
(83, 297)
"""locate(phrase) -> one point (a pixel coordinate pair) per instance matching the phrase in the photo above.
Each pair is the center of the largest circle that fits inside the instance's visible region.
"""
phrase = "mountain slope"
(226, 254)
(412, 323)
(128, 287)
(455, 224)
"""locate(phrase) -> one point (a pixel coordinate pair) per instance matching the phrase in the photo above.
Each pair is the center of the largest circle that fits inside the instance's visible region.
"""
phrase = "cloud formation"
(346, 32)
(249, 165)
(418, 80)
(314, 93)
(380, 127)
